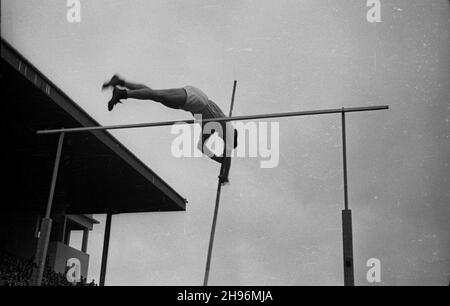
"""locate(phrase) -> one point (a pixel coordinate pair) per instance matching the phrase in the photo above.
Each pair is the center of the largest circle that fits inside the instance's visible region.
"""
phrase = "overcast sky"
(277, 226)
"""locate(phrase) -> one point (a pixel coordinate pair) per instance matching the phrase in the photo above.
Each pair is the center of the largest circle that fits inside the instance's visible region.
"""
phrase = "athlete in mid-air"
(188, 98)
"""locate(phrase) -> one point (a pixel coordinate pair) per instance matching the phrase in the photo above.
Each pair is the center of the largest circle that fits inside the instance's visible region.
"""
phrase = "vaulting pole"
(216, 208)
(213, 232)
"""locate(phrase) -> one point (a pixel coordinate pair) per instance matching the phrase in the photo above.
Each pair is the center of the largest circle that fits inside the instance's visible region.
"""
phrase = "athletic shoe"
(117, 95)
(115, 81)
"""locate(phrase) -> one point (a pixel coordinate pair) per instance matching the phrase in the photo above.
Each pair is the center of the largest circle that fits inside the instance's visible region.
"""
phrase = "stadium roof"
(97, 173)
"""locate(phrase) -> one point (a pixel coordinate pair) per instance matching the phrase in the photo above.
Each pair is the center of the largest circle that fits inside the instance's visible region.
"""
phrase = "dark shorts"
(211, 111)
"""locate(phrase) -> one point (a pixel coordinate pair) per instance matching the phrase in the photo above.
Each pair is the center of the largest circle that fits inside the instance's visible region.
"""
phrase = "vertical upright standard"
(46, 224)
(347, 236)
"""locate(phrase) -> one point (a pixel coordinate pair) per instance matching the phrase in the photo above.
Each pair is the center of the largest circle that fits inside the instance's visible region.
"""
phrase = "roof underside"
(97, 173)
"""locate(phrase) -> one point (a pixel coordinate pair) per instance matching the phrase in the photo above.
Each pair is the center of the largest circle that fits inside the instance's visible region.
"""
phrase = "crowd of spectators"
(15, 271)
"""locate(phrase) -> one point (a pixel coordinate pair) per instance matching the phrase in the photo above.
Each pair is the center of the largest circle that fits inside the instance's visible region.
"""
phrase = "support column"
(67, 235)
(85, 240)
(62, 231)
(105, 249)
(46, 224)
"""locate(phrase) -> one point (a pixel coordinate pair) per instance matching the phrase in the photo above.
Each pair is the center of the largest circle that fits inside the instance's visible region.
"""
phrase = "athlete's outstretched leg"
(173, 98)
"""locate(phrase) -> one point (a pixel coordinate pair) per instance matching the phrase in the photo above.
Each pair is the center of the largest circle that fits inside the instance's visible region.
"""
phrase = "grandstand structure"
(97, 174)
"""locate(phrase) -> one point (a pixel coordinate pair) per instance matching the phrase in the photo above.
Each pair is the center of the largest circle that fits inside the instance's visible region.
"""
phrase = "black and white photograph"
(200, 145)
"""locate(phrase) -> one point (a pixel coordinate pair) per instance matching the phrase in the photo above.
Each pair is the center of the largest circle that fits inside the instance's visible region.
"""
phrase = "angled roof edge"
(33, 75)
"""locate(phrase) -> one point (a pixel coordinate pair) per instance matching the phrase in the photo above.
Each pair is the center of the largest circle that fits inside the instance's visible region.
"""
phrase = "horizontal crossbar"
(237, 118)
